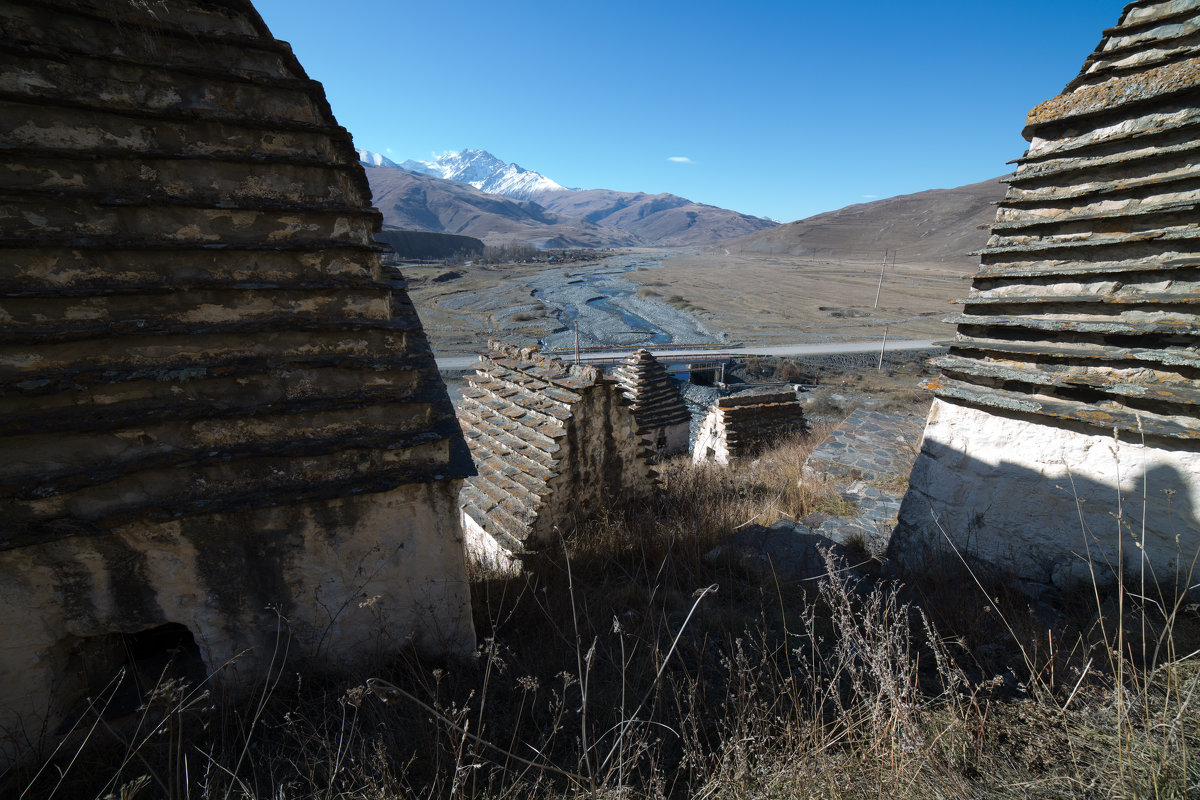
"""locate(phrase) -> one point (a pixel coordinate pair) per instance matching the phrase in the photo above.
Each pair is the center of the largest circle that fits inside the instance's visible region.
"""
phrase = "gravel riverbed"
(609, 311)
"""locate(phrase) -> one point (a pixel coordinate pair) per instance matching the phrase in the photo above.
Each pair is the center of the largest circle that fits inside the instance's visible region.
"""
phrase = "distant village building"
(744, 424)
(1064, 442)
(663, 418)
(223, 436)
(553, 444)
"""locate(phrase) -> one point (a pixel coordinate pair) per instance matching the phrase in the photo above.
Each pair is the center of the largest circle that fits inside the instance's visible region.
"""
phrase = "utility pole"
(882, 348)
(879, 288)
(576, 341)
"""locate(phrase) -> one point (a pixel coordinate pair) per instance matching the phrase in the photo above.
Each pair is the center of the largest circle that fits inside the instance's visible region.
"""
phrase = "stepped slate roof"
(219, 413)
(742, 425)
(1085, 305)
(196, 318)
(654, 398)
(548, 440)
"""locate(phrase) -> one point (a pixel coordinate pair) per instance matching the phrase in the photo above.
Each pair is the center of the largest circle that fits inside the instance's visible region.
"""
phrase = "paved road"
(698, 354)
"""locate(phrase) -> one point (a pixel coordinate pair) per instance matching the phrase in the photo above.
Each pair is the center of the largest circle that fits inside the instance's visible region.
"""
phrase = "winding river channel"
(608, 310)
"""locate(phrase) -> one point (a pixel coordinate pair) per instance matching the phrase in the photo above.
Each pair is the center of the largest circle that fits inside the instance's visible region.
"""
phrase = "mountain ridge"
(412, 201)
(485, 172)
(621, 219)
(667, 218)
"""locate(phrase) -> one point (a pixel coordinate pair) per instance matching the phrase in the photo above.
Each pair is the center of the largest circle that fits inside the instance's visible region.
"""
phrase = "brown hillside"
(662, 219)
(420, 202)
(938, 225)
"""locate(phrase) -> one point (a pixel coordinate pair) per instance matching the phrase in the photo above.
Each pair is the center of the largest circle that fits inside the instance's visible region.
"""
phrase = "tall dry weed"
(625, 664)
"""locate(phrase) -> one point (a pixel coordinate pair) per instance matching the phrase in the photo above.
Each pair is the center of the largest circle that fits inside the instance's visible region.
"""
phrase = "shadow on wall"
(1057, 506)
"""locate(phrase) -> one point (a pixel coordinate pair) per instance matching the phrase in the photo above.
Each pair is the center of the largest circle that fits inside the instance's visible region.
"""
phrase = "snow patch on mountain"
(486, 173)
(369, 159)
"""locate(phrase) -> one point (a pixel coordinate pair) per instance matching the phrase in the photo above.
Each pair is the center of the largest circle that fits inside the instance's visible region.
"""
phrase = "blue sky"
(778, 109)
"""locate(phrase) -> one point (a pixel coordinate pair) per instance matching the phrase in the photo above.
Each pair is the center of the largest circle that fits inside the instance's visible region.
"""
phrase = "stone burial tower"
(1066, 431)
(742, 425)
(219, 416)
(554, 445)
(663, 419)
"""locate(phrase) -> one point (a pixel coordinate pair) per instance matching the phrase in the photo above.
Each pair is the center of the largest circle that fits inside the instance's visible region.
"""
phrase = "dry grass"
(771, 299)
(839, 384)
(682, 304)
(626, 664)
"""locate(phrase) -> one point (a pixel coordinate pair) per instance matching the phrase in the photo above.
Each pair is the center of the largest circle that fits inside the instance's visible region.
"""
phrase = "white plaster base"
(674, 440)
(337, 583)
(1040, 500)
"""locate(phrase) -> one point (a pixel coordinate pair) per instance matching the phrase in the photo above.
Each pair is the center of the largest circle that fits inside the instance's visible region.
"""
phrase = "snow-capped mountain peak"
(369, 159)
(486, 173)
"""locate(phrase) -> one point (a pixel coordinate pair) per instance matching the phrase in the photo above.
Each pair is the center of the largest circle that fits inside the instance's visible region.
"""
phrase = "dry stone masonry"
(553, 444)
(1070, 393)
(663, 419)
(217, 410)
(741, 425)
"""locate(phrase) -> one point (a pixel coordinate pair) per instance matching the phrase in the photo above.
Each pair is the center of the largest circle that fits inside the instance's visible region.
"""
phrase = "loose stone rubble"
(1069, 395)
(553, 444)
(663, 419)
(869, 444)
(222, 432)
(868, 457)
(742, 425)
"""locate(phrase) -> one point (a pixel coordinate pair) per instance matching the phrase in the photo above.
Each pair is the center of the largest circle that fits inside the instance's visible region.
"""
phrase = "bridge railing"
(678, 363)
(563, 352)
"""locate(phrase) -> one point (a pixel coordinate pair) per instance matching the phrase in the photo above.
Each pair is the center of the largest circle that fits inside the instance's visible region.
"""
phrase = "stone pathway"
(870, 445)
(870, 456)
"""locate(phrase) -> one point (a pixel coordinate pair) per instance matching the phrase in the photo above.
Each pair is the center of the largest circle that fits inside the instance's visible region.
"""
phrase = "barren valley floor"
(782, 299)
(697, 298)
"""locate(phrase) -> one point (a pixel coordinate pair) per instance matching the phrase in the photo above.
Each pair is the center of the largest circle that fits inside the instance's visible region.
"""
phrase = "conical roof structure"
(217, 409)
(654, 399)
(1079, 336)
(1086, 296)
(553, 444)
(180, 208)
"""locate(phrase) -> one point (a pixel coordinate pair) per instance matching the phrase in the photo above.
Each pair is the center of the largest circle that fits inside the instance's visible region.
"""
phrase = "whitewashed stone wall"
(670, 439)
(1053, 504)
(711, 445)
(742, 425)
(341, 582)
(1080, 322)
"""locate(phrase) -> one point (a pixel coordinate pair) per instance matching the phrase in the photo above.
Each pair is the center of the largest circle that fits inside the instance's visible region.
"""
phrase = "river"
(608, 310)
